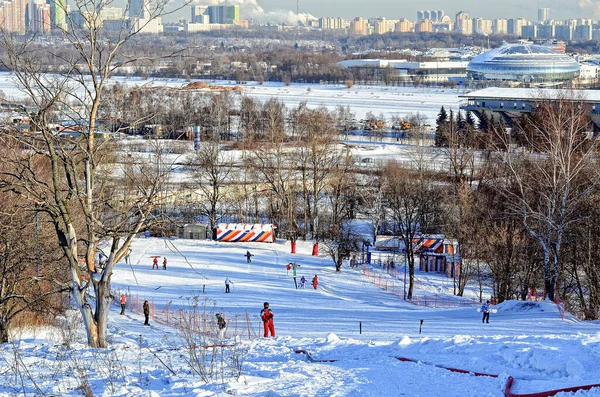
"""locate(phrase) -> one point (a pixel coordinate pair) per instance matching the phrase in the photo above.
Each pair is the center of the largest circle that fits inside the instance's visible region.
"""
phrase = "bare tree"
(81, 186)
(212, 168)
(546, 187)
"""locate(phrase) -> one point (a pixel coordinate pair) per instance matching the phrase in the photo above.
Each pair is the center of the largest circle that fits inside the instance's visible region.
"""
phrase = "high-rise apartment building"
(359, 27)
(543, 14)
(432, 15)
(515, 26)
(500, 26)
(404, 25)
(563, 32)
(199, 14)
(224, 14)
(424, 26)
(12, 15)
(37, 16)
(58, 14)
(546, 31)
(529, 31)
(463, 24)
(331, 23)
(482, 26)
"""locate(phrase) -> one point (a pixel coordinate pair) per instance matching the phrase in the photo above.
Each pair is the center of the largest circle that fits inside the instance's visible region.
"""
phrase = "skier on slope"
(267, 316)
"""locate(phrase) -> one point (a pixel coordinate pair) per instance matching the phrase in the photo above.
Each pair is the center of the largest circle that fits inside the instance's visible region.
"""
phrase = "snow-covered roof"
(533, 94)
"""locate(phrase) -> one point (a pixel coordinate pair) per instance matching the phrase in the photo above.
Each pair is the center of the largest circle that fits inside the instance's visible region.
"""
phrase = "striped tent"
(245, 232)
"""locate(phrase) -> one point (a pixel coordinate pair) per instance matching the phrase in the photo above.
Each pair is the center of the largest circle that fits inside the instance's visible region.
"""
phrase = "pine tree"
(441, 129)
(469, 120)
(484, 122)
(460, 121)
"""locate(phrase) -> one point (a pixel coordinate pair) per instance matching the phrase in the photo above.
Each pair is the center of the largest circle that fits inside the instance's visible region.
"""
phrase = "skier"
(315, 281)
(267, 316)
(155, 263)
(227, 282)
(146, 311)
(302, 282)
(165, 263)
(221, 324)
(123, 303)
(485, 309)
(127, 257)
(249, 256)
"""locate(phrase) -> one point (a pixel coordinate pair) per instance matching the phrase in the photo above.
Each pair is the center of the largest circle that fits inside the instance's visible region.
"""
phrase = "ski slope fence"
(197, 319)
(399, 288)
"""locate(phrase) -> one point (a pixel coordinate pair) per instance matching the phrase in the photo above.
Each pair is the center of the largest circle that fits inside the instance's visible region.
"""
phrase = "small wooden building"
(438, 254)
(197, 231)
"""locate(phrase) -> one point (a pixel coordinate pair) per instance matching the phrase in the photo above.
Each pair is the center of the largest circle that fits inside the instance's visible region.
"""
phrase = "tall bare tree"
(547, 185)
(86, 203)
(212, 168)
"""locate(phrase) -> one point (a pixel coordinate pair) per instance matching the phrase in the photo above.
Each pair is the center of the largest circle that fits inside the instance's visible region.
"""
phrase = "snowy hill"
(360, 331)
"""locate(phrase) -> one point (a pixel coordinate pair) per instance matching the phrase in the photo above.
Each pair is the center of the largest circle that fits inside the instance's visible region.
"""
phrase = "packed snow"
(353, 329)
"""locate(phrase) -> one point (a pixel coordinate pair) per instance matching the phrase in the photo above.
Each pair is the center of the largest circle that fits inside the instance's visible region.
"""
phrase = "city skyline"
(394, 9)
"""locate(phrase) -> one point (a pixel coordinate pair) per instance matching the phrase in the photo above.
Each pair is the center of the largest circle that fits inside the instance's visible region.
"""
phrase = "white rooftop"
(534, 93)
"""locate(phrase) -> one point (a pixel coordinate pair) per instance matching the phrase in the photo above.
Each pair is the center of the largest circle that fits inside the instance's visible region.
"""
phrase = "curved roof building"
(526, 63)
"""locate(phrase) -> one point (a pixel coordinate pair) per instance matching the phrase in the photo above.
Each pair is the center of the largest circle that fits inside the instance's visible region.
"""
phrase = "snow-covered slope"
(347, 319)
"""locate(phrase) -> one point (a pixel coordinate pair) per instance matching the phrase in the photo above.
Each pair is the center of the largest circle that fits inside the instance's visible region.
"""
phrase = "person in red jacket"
(267, 316)
(155, 263)
(315, 281)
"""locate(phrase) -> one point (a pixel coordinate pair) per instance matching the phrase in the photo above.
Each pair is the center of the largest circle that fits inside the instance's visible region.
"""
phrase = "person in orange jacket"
(155, 263)
(315, 281)
(267, 316)
(123, 303)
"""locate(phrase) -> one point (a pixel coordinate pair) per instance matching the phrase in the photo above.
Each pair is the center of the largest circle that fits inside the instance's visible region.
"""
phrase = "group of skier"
(155, 263)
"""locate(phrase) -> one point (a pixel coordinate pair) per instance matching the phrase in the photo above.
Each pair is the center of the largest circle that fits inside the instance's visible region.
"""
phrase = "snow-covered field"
(388, 101)
(527, 340)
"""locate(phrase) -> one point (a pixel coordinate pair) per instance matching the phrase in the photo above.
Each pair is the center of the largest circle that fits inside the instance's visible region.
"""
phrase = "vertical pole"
(421, 326)
(405, 265)
(37, 241)
(360, 327)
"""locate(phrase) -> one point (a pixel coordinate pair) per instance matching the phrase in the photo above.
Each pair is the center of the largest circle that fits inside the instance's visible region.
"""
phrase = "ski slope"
(362, 329)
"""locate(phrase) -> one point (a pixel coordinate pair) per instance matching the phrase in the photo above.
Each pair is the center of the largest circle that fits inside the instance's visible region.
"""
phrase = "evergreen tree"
(460, 121)
(441, 128)
(469, 120)
(484, 122)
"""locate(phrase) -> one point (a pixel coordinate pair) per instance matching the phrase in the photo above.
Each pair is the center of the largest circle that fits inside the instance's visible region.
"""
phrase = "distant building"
(404, 25)
(525, 63)
(424, 26)
(500, 26)
(331, 23)
(515, 26)
(224, 14)
(12, 15)
(359, 27)
(427, 72)
(482, 26)
(463, 24)
(37, 17)
(543, 14)
(58, 14)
